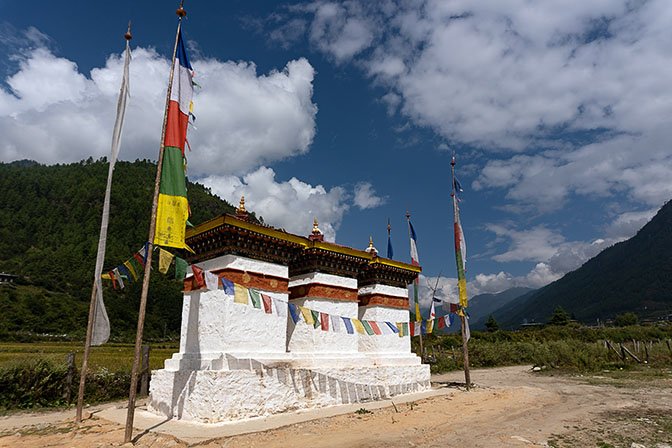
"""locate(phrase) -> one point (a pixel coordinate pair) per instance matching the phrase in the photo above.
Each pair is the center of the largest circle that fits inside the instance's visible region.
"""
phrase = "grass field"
(113, 357)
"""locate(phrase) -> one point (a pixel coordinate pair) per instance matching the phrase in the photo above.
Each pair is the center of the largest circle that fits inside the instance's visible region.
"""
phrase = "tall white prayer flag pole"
(98, 328)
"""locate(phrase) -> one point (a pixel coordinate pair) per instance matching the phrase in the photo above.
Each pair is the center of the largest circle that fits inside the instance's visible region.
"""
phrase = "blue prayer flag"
(228, 286)
(293, 312)
(348, 325)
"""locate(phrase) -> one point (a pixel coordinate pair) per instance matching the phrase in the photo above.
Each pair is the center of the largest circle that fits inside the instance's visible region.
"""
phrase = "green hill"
(632, 276)
(49, 228)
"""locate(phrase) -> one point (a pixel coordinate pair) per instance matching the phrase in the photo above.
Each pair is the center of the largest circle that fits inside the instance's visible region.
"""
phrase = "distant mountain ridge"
(482, 305)
(631, 276)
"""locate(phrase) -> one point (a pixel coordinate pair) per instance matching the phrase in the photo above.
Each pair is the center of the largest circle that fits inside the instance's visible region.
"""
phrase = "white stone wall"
(243, 264)
(211, 396)
(303, 338)
(385, 343)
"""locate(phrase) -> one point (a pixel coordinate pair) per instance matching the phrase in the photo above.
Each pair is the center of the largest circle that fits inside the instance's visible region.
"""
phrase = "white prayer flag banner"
(211, 280)
(336, 324)
(280, 307)
(118, 276)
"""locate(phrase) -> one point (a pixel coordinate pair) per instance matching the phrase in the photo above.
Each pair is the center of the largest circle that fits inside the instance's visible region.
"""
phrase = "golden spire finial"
(241, 208)
(371, 250)
(316, 230)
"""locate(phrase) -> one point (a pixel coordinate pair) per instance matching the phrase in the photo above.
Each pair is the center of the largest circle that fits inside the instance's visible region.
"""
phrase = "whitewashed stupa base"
(257, 389)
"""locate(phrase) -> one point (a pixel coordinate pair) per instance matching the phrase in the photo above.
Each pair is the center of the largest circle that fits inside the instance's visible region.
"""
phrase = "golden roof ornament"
(316, 230)
(371, 250)
(241, 208)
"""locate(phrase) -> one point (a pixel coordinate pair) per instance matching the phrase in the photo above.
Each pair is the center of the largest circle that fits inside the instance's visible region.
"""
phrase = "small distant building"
(237, 362)
(530, 325)
(7, 278)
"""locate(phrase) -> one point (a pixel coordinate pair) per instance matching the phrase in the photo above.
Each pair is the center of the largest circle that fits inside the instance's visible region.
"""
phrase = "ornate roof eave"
(300, 242)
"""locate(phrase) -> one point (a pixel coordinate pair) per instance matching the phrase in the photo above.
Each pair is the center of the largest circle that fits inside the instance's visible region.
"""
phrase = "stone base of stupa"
(239, 388)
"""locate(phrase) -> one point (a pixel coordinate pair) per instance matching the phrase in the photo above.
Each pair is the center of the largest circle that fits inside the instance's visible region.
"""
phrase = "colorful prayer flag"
(316, 318)
(129, 266)
(324, 318)
(292, 310)
(395, 329)
(336, 324)
(267, 304)
(256, 298)
(460, 254)
(281, 308)
(173, 207)
(348, 325)
(180, 268)
(198, 276)
(165, 259)
(307, 315)
(240, 295)
(367, 327)
(228, 286)
(415, 261)
(122, 268)
(211, 281)
(358, 326)
(118, 276)
(375, 328)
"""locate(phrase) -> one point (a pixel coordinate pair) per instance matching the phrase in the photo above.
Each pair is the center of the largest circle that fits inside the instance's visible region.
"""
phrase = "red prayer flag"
(267, 303)
(198, 276)
(138, 257)
(411, 328)
(114, 280)
(374, 327)
(453, 307)
(324, 318)
(442, 323)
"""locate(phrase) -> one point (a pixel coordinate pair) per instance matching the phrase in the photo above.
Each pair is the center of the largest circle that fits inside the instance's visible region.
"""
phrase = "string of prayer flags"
(240, 294)
(165, 260)
(125, 272)
(211, 280)
(256, 298)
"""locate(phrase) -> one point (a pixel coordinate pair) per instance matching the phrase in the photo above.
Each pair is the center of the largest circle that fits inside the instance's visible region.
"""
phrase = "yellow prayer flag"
(307, 315)
(400, 326)
(240, 294)
(358, 326)
(165, 258)
(129, 266)
(430, 326)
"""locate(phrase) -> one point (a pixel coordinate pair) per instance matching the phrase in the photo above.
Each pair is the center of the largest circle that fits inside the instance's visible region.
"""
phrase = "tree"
(491, 324)
(624, 320)
(559, 317)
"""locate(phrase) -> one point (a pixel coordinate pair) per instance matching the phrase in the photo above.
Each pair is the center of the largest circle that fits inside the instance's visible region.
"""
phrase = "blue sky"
(557, 112)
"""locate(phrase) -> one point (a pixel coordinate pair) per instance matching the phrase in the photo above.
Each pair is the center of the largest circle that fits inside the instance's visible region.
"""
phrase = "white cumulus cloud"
(365, 196)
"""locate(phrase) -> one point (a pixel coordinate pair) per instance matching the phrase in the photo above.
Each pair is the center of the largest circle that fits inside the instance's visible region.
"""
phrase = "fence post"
(144, 379)
(67, 387)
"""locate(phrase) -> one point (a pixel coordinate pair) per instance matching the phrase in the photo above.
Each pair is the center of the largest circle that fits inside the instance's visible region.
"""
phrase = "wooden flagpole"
(92, 312)
(465, 349)
(150, 246)
(408, 220)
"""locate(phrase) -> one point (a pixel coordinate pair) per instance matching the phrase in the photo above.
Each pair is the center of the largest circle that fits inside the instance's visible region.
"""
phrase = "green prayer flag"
(367, 327)
(256, 298)
(180, 268)
(316, 318)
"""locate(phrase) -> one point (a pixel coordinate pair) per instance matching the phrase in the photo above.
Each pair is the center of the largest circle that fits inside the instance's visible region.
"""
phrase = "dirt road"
(509, 407)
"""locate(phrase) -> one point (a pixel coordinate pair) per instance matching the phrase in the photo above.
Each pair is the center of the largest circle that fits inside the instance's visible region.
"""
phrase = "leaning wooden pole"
(150, 246)
(465, 348)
